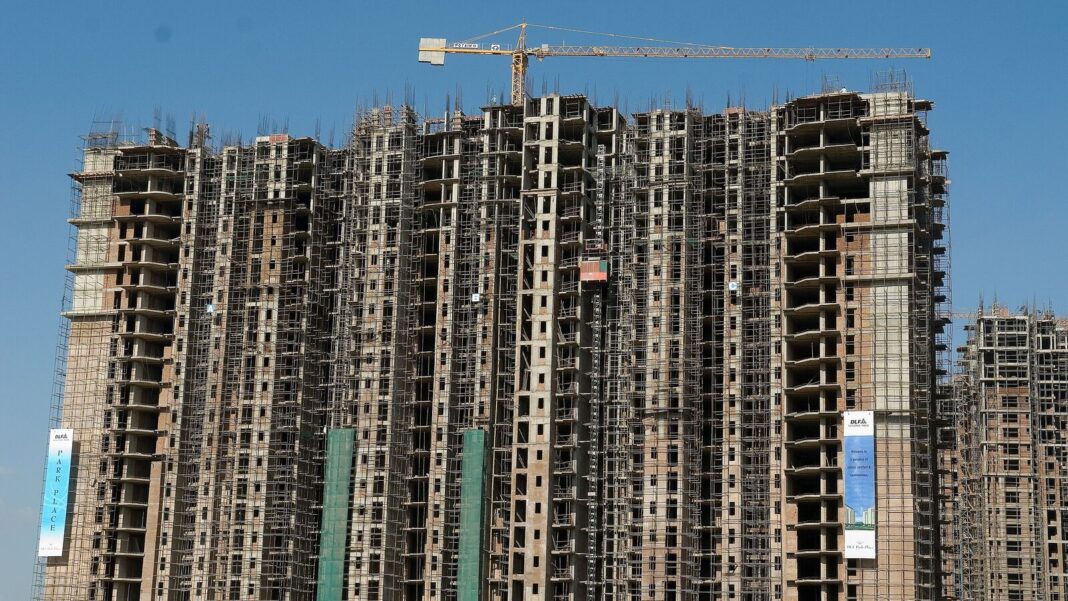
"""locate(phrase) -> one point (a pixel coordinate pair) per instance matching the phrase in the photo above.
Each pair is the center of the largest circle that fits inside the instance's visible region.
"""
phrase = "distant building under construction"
(542, 353)
(1013, 452)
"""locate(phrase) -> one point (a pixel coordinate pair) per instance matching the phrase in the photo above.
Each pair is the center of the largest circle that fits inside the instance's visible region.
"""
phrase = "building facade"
(1012, 390)
(543, 352)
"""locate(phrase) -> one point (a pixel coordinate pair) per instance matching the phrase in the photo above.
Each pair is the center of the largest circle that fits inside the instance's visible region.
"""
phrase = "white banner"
(859, 429)
(56, 486)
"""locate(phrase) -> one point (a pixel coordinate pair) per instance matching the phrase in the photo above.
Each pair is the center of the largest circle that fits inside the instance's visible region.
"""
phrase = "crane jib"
(433, 51)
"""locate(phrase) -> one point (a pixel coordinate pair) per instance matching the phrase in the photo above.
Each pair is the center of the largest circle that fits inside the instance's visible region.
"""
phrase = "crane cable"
(486, 35)
(629, 37)
(602, 33)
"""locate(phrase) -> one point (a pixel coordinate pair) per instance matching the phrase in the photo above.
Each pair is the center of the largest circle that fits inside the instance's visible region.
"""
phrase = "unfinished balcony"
(127, 572)
(437, 174)
(158, 161)
(816, 246)
(563, 574)
(148, 187)
(153, 306)
(150, 257)
(833, 139)
(138, 423)
(571, 149)
(148, 330)
(811, 434)
(564, 464)
(809, 225)
(566, 437)
(807, 328)
(809, 406)
(151, 210)
(130, 519)
(812, 461)
(562, 544)
(439, 147)
(835, 110)
(133, 447)
(815, 353)
(137, 472)
(812, 276)
(816, 569)
(574, 109)
(566, 414)
(564, 519)
(823, 168)
(141, 399)
(819, 544)
(814, 514)
(809, 302)
(812, 487)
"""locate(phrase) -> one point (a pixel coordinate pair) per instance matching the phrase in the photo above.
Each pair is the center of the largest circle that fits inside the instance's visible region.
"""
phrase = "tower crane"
(433, 51)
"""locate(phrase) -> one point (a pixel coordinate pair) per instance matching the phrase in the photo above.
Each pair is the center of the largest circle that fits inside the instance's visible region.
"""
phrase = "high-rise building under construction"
(540, 353)
(1012, 501)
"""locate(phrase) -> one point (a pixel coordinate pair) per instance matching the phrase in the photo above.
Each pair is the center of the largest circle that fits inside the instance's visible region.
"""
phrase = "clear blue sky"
(997, 78)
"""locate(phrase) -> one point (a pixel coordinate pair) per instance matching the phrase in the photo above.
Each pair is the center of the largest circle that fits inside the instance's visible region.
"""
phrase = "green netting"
(339, 447)
(472, 501)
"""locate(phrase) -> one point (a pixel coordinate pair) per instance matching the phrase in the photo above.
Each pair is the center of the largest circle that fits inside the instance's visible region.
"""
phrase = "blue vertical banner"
(56, 487)
(859, 484)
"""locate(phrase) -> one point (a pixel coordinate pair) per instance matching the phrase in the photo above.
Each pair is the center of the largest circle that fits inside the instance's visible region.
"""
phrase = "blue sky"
(997, 78)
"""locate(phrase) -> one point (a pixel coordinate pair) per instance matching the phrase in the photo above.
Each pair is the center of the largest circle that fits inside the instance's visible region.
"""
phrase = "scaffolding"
(250, 350)
(113, 375)
(665, 363)
(499, 220)
(710, 184)
(863, 308)
(612, 574)
(754, 293)
(385, 172)
(81, 359)
(654, 323)
(462, 284)
(1011, 382)
(198, 265)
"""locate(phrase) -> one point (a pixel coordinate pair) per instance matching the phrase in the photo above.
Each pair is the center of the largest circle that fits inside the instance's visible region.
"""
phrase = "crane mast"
(433, 51)
(519, 66)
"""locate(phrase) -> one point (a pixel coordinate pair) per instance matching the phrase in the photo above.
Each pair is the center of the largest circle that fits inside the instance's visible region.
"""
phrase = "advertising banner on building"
(57, 483)
(859, 484)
